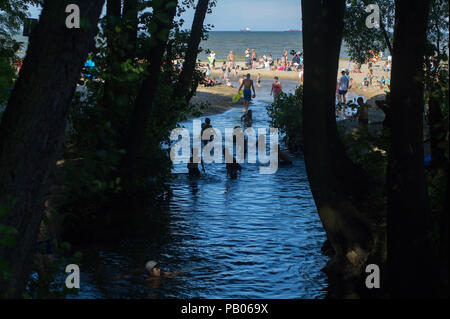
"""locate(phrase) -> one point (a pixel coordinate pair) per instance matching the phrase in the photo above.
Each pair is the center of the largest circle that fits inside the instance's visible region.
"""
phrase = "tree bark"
(162, 19)
(386, 37)
(113, 18)
(182, 87)
(348, 233)
(33, 125)
(437, 134)
(130, 22)
(409, 258)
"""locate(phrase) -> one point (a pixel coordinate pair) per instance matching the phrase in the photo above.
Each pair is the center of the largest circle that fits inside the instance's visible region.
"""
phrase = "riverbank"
(357, 77)
(218, 99)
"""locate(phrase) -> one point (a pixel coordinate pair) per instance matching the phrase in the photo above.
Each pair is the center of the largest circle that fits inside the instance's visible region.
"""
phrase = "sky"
(234, 15)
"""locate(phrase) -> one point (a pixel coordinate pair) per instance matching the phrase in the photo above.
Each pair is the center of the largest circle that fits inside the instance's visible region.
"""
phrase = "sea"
(264, 43)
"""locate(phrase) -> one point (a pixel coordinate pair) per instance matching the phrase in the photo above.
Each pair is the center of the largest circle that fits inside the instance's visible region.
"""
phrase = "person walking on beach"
(276, 89)
(342, 87)
(248, 87)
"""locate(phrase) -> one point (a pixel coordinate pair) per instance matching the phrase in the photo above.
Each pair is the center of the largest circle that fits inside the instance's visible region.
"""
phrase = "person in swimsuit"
(247, 57)
(224, 71)
(230, 59)
(254, 58)
(276, 89)
(247, 118)
(213, 55)
(248, 87)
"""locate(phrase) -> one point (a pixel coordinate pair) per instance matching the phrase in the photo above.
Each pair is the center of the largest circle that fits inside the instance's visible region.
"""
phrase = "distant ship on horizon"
(246, 30)
(293, 30)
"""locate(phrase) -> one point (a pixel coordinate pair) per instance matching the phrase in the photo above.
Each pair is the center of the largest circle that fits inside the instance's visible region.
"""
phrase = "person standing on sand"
(300, 75)
(224, 71)
(248, 87)
(236, 74)
(342, 87)
(213, 55)
(247, 57)
(350, 83)
(276, 89)
(285, 56)
(230, 59)
(254, 58)
(211, 61)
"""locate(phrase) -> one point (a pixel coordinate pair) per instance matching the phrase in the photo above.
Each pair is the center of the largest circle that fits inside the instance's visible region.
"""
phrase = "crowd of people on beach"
(230, 67)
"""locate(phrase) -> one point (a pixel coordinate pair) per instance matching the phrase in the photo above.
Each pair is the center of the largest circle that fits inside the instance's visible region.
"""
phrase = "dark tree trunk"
(141, 114)
(130, 27)
(437, 134)
(409, 255)
(182, 87)
(33, 125)
(443, 253)
(113, 60)
(348, 233)
(386, 37)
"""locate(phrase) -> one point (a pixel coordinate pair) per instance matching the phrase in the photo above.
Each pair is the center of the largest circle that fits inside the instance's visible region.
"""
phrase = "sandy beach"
(343, 64)
(219, 97)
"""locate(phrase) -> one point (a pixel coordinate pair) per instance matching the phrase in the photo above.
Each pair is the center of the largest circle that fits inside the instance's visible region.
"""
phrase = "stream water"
(257, 236)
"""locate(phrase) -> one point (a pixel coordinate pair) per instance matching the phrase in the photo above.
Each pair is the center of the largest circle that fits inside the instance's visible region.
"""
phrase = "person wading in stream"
(248, 87)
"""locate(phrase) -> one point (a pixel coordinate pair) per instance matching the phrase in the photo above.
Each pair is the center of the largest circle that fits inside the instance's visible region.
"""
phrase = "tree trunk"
(130, 22)
(386, 37)
(111, 88)
(140, 116)
(182, 88)
(33, 125)
(322, 33)
(437, 134)
(409, 255)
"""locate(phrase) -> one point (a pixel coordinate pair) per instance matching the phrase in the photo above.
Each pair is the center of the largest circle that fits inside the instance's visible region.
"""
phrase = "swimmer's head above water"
(151, 267)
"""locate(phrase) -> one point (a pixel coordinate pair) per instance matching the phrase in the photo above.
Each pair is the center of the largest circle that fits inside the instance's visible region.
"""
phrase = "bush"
(286, 115)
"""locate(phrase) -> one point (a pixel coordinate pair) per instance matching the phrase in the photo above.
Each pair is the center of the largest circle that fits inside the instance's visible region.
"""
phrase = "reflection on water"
(257, 236)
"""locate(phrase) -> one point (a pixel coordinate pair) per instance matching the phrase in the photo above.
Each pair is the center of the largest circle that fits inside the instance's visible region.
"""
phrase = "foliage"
(7, 75)
(359, 39)
(48, 278)
(8, 236)
(286, 115)
(438, 25)
(12, 16)
(97, 138)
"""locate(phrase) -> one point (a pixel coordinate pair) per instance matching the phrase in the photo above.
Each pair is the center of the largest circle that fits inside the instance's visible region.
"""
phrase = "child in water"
(247, 117)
